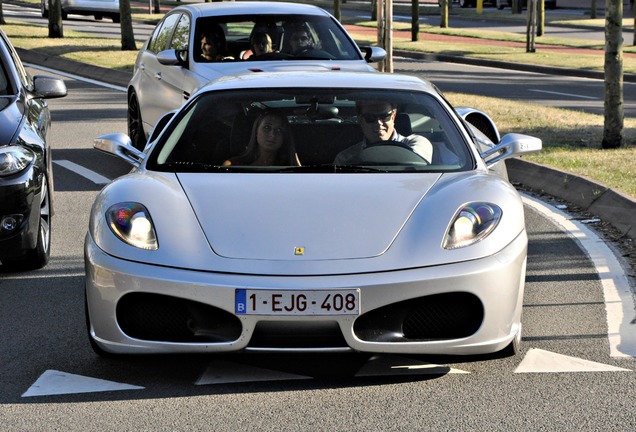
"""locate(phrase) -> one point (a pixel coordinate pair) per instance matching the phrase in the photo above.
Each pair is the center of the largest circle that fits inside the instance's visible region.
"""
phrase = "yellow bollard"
(480, 6)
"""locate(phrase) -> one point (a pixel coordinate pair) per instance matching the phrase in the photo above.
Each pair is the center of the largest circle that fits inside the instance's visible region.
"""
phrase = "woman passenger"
(271, 143)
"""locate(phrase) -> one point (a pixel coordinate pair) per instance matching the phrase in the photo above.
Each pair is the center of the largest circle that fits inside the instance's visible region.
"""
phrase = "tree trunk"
(614, 116)
(56, 28)
(415, 20)
(337, 13)
(156, 6)
(516, 6)
(593, 10)
(531, 28)
(127, 34)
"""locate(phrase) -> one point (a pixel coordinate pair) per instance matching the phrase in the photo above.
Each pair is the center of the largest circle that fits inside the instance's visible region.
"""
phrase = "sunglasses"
(371, 118)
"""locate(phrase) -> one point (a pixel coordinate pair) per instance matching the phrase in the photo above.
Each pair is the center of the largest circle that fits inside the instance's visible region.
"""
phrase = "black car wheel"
(135, 128)
(39, 256)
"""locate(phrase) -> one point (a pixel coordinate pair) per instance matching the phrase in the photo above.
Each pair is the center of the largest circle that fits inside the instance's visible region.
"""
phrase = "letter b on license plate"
(309, 302)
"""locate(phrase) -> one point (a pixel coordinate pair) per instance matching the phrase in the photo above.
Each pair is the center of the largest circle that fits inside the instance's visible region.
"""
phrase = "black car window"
(23, 75)
(4, 83)
(219, 132)
(163, 33)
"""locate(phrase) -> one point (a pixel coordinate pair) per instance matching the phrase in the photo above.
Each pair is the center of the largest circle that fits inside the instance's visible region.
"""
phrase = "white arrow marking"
(393, 365)
(54, 382)
(221, 372)
(540, 361)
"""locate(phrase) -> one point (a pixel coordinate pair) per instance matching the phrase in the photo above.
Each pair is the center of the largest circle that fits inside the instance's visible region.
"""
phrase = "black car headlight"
(472, 223)
(131, 222)
(14, 159)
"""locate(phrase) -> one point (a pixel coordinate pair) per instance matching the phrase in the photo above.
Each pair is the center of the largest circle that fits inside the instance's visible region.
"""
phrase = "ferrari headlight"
(131, 222)
(471, 224)
(14, 159)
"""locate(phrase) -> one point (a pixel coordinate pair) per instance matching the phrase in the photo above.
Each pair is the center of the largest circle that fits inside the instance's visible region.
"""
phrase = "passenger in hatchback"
(261, 43)
(377, 120)
(213, 44)
(271, 143)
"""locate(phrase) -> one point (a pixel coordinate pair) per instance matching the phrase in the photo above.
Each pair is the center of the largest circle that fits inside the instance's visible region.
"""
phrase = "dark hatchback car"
(26, 178)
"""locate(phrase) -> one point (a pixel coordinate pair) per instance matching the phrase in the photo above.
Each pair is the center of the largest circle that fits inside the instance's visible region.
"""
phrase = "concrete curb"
(593, 197)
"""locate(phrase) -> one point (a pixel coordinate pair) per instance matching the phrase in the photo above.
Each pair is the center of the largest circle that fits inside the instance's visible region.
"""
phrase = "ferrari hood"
(303, 216)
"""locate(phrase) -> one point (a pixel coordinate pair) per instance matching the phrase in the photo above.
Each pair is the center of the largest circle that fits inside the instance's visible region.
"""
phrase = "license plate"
(306, 302)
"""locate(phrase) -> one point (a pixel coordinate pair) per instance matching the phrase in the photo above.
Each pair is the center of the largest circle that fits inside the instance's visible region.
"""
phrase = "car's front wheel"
(39, 256)
(135, 126)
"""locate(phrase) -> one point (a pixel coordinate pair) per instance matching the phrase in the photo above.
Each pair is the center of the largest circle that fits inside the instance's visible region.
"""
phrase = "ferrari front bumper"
(463, 308)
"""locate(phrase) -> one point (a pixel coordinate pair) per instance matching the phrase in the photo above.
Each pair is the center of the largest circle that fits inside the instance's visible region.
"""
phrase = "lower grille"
(285, 334)
(156, 317)
(430, 318)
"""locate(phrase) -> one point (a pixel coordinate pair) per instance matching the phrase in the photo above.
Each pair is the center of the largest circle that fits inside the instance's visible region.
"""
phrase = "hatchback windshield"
(316, 130)
(273, 37)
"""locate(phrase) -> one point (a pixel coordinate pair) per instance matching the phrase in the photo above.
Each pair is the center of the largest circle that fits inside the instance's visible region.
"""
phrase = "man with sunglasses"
(377, 120)
(301, 40)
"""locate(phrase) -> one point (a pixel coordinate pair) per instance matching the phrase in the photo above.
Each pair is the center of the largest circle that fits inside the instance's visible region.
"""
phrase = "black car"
(26, 178)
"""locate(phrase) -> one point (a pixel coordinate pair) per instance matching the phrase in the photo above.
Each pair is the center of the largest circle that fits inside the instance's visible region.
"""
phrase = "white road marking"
(619, 299)
(222, 372)
(84, 172)
(540, 361)
(53, 382)
(563, 94)
(76, 77)
(387, 365)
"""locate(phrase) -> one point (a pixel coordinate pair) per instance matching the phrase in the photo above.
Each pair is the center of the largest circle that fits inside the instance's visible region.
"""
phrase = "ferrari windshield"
(312, 130)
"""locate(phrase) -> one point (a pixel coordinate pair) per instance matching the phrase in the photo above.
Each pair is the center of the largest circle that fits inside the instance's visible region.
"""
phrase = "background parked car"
(97, 8)
(170, 68)
(26, 178)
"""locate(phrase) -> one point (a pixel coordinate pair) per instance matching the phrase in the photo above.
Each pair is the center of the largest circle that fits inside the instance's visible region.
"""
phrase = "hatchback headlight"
(14, 159)
(131, 222)
(472, 223)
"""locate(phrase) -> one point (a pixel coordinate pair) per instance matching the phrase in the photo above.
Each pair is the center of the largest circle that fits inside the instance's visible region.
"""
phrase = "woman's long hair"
(286, 154)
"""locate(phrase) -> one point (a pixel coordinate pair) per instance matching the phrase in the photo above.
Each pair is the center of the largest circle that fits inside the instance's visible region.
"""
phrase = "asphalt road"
(572, 374)
(568, 376)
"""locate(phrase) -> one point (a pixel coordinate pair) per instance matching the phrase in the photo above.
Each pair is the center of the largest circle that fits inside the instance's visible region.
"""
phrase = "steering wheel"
(390, 153)
(271, 56)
